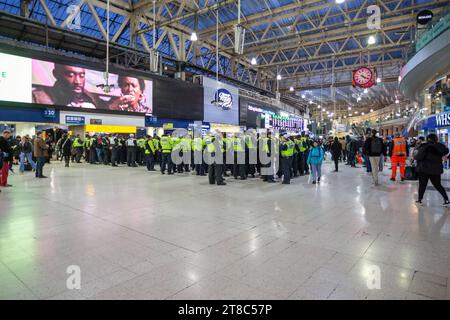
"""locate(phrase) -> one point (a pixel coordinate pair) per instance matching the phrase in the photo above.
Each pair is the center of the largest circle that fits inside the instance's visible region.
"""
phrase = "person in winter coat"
(26, 152)
(6, 154)
(336, 152)
(429, 166)
(315, 159)
(66, 148)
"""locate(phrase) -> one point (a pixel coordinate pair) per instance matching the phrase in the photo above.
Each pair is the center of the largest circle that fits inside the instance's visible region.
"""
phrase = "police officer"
(150, 151)
(140, 150)
(186, 143)
(215, 167)
(78, 146)
(131, 151)
(198, 144)
(92, 153)
(287, 147)
(267, 143)
(250, 154)
(86, 147)
(166, 151)
(239, 157)
(106, 150)
(295, 160)
(115, 148)
(302, 156)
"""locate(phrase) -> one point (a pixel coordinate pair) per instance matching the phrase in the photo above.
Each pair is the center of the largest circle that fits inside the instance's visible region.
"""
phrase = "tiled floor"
(140, 235)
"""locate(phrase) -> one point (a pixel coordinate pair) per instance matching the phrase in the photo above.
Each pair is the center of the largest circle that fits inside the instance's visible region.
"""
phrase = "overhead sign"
(75, 120)
(49, 113)
(439, 120)
(424, 17)
(110, 129)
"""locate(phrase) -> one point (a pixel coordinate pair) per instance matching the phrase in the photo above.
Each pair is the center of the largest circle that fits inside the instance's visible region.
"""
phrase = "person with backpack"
(316, 156)
(429, 157)
(26, 153)
(374, 148)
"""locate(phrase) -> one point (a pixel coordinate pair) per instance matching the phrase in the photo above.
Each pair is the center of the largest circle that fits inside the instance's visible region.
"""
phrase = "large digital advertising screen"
(55, 84)
(221, 102)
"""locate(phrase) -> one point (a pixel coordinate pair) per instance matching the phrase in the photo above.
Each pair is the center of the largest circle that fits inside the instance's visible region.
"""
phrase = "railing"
(440, 24)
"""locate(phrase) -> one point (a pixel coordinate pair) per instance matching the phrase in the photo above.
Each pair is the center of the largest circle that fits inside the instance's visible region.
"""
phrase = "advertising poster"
(221, 102)
(15, 78)
(30, 80)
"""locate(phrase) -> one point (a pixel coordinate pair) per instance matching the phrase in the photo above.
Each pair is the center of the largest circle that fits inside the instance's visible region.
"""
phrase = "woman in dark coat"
(336, 151)
(429, 166)
(66, 148)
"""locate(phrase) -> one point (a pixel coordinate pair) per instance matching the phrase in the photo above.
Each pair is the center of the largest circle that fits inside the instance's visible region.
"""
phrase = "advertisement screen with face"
(79, 87)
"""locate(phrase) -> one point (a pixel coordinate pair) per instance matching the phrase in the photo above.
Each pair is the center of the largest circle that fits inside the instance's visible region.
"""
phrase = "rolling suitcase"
(410, 173)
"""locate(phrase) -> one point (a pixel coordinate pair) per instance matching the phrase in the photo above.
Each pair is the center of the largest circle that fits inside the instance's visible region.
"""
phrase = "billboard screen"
(221, 102)
(42, 82)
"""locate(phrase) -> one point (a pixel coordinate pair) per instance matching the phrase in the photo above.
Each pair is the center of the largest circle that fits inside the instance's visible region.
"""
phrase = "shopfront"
(285, 123)
(437, 123)
(254, 113)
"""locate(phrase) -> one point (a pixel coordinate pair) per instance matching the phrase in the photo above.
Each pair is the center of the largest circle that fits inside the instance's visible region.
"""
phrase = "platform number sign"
(49, 113)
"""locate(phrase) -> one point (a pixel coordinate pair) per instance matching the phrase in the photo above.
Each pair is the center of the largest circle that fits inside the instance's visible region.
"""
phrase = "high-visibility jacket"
(156, 144)
(166, 144)
(186, 144)
(198, 144)
(228, 143)
(289, 152)
(399, 147)
(141, 143)
(77, 143)
(238, 144)
(150, 147)
(250, 142)
(86, 142)
(303, 146)
(264, 141)
(175, 141)
(209, 144)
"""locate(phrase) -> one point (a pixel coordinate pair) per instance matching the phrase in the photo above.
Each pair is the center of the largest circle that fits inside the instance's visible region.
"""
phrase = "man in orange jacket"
(398, 150)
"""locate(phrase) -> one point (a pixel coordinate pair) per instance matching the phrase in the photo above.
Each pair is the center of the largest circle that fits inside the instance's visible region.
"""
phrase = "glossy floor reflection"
(140, 235)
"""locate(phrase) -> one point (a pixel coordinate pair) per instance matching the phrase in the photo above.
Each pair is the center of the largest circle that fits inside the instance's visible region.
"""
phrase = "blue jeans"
(367, 163)
(29, 157)
(316, 171)
(99, 154)
(39, 166)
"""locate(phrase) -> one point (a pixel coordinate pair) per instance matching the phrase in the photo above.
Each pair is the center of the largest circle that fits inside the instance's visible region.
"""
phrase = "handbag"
(411, 173)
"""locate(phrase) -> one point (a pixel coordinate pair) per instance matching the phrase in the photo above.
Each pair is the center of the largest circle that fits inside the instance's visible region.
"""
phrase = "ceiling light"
(303, 96)
(349, 108)
(371, 110)
(310, 102)
(340, 1)
(366, 90)
(378, 80)
(323, 109)
(291, 89)
(194, 36)
(358, 99)
(345, 117)
(362, 113)
(371, 40)
(356, 112)
(397, 101)
(399, 78)
(254, 62)
(278, 76)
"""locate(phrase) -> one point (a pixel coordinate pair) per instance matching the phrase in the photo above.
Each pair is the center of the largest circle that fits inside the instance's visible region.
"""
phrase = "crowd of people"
(297, 155)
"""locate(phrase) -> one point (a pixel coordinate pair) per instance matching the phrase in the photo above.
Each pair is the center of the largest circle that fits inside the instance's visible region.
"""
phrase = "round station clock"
(363, 77)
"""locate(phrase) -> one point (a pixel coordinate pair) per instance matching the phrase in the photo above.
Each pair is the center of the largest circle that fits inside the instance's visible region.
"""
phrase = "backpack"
(376, 146)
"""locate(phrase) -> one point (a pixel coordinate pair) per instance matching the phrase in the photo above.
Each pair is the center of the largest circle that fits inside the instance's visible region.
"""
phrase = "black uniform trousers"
(131, 156)
(238, 169)
(79, 154)
(114, 156)
(215, 173)
(166, 160)
(92, 155)
(295, 164)
(435, 181)
(286, 165)
(150, 161)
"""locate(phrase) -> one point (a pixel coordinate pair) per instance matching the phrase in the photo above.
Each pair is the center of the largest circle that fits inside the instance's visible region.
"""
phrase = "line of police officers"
(213, 154)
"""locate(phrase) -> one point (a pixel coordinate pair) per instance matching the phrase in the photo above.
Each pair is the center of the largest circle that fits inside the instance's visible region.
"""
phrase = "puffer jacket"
(429, 158)
(316, 155)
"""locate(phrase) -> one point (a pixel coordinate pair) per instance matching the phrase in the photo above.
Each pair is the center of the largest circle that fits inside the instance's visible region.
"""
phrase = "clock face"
(363, 76)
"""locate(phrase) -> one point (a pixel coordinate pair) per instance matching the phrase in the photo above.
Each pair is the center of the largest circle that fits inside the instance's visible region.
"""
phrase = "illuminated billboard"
(30, 80)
